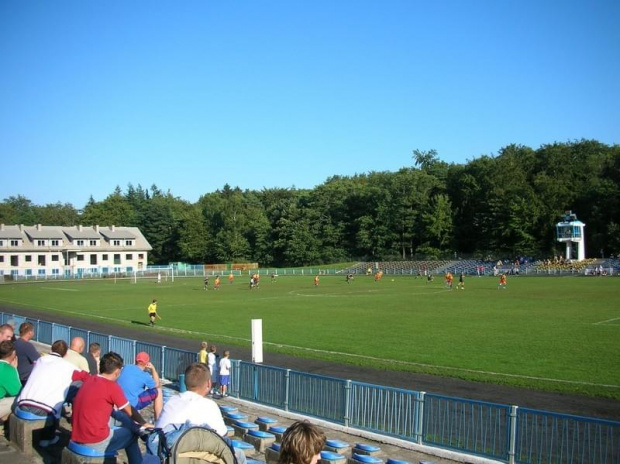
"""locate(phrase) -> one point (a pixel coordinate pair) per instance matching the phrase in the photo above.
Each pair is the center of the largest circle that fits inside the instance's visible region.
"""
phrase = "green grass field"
(557, 334)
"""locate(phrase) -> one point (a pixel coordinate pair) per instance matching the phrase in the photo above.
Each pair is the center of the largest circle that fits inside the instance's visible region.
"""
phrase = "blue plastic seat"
(228, 409)
(331, 456)
(364, 458)
(337, 444)
(398, 461)
(260, 434)
(242, 445)
(85, 450)
(254, 461)
(367, 448)
(25, 415)
(236, 416)
(275, 447)
(266, 420)
(246, 425)
(277, 429)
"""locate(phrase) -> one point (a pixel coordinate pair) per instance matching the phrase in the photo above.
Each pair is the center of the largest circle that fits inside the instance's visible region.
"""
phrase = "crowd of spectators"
(99, 395)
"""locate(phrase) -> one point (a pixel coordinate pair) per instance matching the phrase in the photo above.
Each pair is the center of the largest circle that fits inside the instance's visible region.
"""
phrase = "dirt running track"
(562, 403)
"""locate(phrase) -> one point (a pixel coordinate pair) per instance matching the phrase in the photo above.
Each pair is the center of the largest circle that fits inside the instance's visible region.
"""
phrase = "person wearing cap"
(141, 385)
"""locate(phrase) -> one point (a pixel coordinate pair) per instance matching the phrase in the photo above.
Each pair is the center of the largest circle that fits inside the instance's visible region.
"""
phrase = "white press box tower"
(570, 231)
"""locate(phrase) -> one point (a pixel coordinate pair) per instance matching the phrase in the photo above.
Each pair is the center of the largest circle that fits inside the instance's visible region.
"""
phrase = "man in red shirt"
(93, 406)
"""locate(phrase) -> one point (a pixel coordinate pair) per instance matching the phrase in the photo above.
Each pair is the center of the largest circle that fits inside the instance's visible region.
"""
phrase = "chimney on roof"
(21, 227)
(39, 228)
(96, 227)
(80, 228)
(1, 226)
(112, 228)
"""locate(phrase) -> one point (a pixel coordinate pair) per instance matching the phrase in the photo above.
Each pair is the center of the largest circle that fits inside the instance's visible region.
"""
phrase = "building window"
(14, 243)
(1, 242)
(116, 242)
(41, 260)
(129, 269)
(55, 272)
(79, 242)
(93, 260)
(28, 272)
(117, 269)
(28, 258)
(54, 257)
(129, 257)
(93, 243)
(128, 242)
(93, 270)
(104, 257)
(40, 242)
(1, 258)
(55, 242)
(14, 260)
(140, 255)
(80, 257)
(41, 272)
(117, 259)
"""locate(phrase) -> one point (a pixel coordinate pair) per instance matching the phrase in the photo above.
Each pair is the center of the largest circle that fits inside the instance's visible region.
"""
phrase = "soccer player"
(216, 285)
(502, 282)
(206, 283)
(231, 277)
(316, 280)
(461, 285)
(152, 309)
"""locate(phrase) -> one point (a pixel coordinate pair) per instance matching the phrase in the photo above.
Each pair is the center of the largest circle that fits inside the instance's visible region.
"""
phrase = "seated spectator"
(9, 378)
(74, 355)
(191, 408)
(27, 354)
(47, 388)
(6, 332)
(141, 386)
(93, 355)
(301, 444)
(93, 407)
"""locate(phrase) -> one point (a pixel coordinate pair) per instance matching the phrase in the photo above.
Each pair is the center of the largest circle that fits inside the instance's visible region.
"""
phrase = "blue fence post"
(255, 380)
(87, 339)
(287, 379)
(512, 441)
(347, 402)
(419, 418)
(237, 378)
(163, 361)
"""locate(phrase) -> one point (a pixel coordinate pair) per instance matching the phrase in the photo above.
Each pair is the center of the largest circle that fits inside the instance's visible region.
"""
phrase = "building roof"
(81, 232)
(67, 234)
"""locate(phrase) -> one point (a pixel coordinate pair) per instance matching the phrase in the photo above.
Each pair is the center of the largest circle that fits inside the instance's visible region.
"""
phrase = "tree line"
(492, 206)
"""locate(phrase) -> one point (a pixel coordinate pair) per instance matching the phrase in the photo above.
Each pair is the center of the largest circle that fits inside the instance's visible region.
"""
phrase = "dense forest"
(492, 206)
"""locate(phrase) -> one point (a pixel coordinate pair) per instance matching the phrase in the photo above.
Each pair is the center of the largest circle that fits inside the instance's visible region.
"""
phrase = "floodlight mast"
(571, 232)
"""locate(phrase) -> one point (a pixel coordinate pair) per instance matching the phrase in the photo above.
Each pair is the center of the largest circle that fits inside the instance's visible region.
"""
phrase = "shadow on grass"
(140, 323)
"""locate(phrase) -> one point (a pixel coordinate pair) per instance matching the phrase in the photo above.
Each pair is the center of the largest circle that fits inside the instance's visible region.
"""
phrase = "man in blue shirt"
(141, 385)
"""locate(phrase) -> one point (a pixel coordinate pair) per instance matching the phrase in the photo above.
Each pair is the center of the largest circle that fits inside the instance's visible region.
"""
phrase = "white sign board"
(257, 340)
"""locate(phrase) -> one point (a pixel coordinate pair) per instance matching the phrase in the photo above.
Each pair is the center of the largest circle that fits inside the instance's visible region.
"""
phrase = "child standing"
(202, 354)
(212, 363)
(225, 372)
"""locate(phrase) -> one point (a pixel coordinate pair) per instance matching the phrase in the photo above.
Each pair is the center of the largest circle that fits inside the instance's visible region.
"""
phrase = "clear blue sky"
(191, 95)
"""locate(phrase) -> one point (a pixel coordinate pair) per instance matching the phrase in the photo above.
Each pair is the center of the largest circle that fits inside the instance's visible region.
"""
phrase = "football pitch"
(555, 334)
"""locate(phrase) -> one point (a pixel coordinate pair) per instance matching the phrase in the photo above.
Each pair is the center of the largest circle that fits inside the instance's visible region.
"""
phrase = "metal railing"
(502, 432)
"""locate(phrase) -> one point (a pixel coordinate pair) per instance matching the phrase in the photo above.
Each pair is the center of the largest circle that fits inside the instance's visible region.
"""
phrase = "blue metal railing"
(389, 411)
(476, 427)
(502, 432)
(544, 437)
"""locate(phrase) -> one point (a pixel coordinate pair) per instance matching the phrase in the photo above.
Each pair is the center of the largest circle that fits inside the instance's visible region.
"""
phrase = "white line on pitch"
(608, 320)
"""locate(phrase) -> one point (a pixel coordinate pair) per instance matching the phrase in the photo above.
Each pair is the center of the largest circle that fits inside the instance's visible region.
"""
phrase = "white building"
(71, 251)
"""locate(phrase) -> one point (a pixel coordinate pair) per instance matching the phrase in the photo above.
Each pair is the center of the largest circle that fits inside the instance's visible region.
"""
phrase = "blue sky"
(191, 95)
